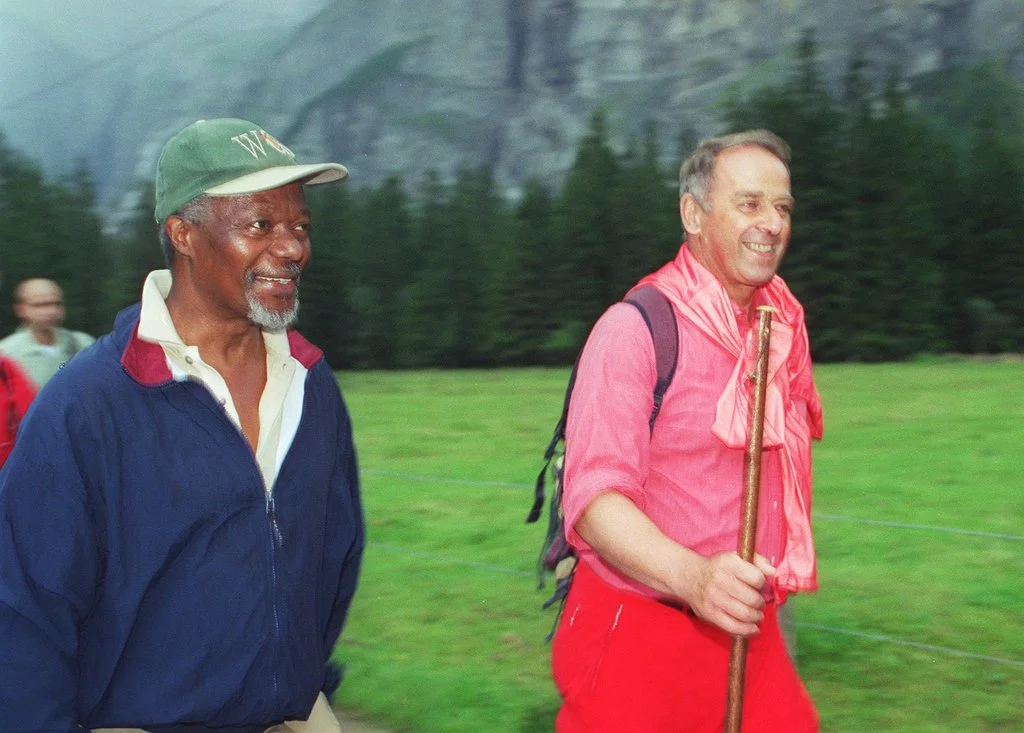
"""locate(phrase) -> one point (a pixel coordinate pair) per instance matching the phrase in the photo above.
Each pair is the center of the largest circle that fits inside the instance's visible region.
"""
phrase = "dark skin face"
(248, 252)
(233, 271)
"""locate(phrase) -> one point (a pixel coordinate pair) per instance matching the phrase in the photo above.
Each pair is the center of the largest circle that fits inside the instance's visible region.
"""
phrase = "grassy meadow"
(915, 629)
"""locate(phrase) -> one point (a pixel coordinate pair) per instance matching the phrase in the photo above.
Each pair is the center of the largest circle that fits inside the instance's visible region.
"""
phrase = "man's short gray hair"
(195, 212)
(697, 170)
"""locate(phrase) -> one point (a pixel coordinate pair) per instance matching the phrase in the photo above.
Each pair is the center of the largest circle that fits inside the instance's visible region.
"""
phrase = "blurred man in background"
(181, 527)
(41, 345)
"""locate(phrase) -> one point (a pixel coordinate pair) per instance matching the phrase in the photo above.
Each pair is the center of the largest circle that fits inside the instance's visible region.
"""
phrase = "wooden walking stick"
(748, 523)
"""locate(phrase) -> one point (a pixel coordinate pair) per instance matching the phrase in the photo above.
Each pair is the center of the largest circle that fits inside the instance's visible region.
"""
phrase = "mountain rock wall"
(409, 86)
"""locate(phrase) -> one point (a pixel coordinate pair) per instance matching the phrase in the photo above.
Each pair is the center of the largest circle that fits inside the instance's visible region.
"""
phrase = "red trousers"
(628, 664)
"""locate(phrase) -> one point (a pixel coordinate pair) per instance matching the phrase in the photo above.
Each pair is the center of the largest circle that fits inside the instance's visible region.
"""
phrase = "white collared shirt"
(281, 403)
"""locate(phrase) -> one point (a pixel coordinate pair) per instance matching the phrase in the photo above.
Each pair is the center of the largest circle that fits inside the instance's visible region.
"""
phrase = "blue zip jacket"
(147, 578)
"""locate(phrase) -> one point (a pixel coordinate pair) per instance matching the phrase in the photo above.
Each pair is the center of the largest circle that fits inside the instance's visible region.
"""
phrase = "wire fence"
(867, 636)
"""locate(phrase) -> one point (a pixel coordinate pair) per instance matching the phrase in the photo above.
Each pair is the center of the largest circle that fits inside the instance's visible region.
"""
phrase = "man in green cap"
(180, 521)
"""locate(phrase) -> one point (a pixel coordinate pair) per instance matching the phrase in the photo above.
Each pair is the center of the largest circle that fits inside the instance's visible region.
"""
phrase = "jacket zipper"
(275, 542)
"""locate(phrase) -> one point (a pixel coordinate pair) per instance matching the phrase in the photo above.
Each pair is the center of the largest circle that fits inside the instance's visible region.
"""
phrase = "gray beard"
(270, 320)
(266, 319)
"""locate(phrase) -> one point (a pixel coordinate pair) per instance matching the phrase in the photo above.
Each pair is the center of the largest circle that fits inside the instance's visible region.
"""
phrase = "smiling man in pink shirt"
(643, 642)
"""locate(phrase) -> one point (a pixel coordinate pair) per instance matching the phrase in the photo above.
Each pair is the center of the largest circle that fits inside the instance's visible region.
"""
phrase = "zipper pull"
(272, 515)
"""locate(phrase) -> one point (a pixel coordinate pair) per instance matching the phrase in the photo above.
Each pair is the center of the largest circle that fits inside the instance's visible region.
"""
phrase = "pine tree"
(530, 289)
(27, 207)
(82, 254)
(133, 255)
(803, 113)
(424, 297)
(326, 312)
(384, 261)
(899, 278)
(588, 235)
(646, 207)
(994, 248)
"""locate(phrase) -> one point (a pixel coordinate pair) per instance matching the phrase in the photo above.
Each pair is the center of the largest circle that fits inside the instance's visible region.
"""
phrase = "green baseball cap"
(229, 157)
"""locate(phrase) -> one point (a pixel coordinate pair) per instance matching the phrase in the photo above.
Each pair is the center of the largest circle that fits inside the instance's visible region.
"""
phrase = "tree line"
(908, 235)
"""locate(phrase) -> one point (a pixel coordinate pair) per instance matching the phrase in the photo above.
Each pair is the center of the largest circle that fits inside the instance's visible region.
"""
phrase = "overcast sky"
(59, 59)
(97, 28)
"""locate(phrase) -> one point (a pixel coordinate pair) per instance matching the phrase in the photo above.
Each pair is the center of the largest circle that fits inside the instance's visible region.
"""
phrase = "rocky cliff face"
(408, 85)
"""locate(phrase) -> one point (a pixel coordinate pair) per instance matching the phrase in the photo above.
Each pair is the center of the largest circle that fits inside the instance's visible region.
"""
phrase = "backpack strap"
(549, 452)
(661, 321)
(657, 313)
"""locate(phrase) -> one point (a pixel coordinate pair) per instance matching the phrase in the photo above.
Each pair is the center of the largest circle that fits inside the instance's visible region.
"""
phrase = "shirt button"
(775, 505)
(188, 359)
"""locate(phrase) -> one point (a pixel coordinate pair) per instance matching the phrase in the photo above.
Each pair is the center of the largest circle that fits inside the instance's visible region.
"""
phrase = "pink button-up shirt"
(681, 476)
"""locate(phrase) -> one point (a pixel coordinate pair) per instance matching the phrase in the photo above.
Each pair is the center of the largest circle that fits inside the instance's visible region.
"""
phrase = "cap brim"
(269, 178)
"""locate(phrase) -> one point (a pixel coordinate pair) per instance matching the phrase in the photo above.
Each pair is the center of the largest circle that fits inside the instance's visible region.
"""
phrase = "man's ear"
(179, 233)
(691, 213)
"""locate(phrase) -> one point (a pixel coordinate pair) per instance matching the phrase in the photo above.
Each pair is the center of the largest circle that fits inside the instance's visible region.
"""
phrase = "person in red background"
(16, 393)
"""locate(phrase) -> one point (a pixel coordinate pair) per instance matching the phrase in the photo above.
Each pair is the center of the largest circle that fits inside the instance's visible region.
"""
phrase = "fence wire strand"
(880, 638)
(815, 515)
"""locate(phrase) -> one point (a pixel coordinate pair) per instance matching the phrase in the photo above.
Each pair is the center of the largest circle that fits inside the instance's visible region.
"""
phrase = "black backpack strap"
(556, 438)
(661, 322)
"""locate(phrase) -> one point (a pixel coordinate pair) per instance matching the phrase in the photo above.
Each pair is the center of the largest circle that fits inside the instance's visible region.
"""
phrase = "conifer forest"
(908, 235)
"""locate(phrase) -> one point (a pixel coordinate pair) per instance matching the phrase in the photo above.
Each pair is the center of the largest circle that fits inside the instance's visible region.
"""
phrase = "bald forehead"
(38, 290)
(751, 169)
(747, 157)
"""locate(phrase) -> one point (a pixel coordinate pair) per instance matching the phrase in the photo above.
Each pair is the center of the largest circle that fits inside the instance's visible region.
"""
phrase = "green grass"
(446, 632)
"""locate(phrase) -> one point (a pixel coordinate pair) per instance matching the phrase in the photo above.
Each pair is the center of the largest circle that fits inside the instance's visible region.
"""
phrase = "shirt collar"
(156, 326)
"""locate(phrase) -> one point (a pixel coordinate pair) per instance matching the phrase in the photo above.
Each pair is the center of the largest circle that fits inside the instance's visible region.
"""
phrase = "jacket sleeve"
(48, 573)
(345, 543)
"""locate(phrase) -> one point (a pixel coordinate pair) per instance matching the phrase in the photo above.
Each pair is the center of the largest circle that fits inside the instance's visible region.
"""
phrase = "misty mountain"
(407, 86)
(32, 61)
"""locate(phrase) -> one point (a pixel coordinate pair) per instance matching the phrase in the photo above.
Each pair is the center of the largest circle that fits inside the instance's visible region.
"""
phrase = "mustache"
(292, 270)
